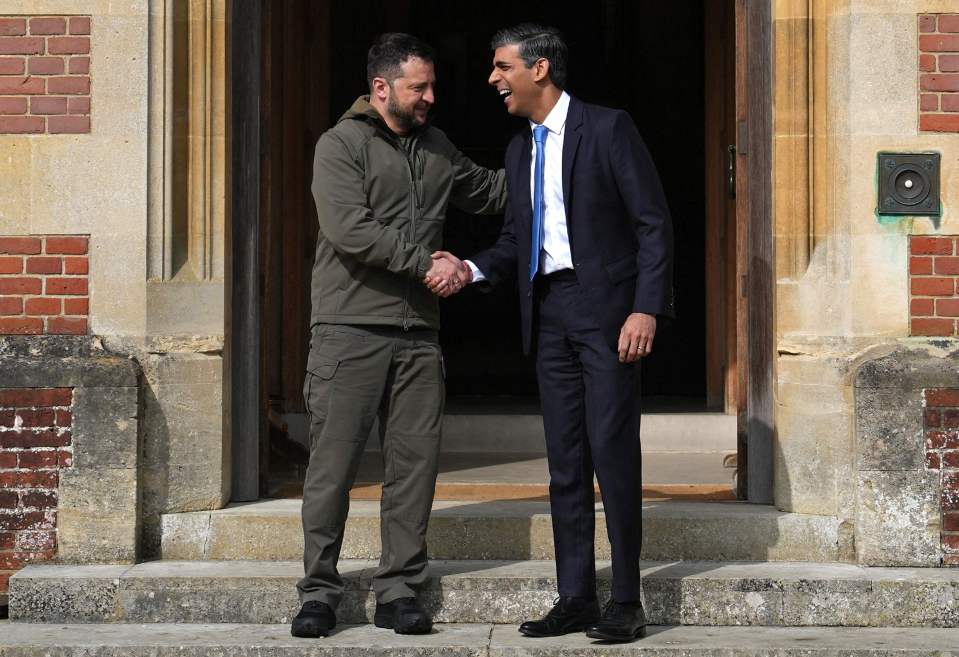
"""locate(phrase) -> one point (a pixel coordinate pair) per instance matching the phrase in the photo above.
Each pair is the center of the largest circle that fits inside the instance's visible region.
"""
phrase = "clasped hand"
(448, 274)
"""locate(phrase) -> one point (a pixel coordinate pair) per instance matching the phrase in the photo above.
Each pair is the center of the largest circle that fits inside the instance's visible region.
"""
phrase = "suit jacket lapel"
(574, 119)
(522, 197)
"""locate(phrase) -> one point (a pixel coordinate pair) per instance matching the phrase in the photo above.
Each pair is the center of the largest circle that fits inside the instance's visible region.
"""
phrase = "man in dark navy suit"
(589, 235)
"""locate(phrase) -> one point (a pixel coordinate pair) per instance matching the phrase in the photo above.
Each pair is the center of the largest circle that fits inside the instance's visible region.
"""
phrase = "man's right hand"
(448, 274)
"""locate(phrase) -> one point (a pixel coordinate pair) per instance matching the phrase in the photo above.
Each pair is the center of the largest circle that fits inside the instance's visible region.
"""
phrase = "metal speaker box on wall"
(909, 184)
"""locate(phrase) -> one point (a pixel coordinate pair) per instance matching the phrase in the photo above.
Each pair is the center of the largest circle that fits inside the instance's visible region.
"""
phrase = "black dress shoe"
(622, 621)
(403, 616)
(567, 615)
(315, 619)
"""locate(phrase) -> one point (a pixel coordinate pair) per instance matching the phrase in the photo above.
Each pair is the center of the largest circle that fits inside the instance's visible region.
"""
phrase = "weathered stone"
(105, 428)
(68, 372)
(58, 594)
(898, 520)
(97, 517)
(889, 429)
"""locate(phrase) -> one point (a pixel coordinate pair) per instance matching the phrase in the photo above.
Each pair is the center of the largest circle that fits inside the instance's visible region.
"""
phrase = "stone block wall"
(44, 74)
(941, 426)
(939, 72)
(44, 285)
(35, 445)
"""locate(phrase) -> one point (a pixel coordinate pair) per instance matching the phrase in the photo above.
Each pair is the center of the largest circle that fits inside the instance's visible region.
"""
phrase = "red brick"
(46, 66)
(73, 125)
(79, 66)
(67, 326)
(927, 22)
(70, 84)
(71, 45)
(6, 418)
(950, 542)
(9, 499)
(947, 266)
(67, 245)
(932, 418)
(11, 265)
(950, 522)
(12, 66)
(36, 541)
(29, 479)
(929, 102)
(939, 122)
(932, 461)
(21, 125)
(27, 519)
(930, 286)
(32, 459)
(922, 307)
(35, 397)
(20, 245)
(930, 326)
(79, 105)
(76, 306)
(948, 63)
(11, 306)
(20, 285)
(13, 26)
(951, 418)
(939, 43)
(927, 63)
(950, 102)
(71, 286)
(26, 326)
(48, 25)
(65, 458)
(5, 581)
(46, 499)
(940, 397)
(78, 265)
(950, 458)
(79, 25)
(35, 438)
(64, 418)
(939, 82)
(21, 45)
(930, 246)
(23, 86)
(947, 307)
(8, 460)
(36, 418)
(42, 306)
(7, 540)
(44, 265)
(920, 265)
(14, 105)
(948, 23)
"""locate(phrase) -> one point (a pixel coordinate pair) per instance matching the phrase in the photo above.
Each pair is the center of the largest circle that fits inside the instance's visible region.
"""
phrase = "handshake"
(448, 275)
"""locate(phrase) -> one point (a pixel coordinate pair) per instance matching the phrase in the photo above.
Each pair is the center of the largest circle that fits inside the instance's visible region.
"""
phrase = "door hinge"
(731, 171)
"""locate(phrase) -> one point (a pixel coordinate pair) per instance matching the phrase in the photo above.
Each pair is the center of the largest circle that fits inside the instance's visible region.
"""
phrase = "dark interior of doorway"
(644, 56)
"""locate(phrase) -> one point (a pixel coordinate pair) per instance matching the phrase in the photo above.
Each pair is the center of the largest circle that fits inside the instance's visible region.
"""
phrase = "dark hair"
(537, 42)
(388, 53)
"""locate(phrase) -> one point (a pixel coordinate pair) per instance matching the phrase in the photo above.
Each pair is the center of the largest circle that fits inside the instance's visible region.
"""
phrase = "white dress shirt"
(555, 254)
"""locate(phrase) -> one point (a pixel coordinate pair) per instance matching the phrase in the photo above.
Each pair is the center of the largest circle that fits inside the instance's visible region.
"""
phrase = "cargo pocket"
(320, 371)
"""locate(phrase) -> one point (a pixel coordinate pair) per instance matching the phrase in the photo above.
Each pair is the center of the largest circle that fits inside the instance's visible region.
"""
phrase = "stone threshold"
(675, 593)
(463, 640)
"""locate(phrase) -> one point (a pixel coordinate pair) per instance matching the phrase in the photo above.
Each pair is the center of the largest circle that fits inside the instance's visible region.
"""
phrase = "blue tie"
(539, 136)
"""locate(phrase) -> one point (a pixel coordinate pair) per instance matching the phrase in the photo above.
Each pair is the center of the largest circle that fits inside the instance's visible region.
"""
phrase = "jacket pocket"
(622, 269)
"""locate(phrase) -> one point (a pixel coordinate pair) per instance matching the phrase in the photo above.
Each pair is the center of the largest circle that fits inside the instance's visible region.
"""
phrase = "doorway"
(656, 60)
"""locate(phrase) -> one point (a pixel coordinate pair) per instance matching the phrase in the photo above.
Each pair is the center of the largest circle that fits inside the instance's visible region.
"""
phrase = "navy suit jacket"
(620, 231)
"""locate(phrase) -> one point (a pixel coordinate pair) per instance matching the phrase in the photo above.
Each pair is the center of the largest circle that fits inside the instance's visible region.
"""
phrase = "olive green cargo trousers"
(354, 374)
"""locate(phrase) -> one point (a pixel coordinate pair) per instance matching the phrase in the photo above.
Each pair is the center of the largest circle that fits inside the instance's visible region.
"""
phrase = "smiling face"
(408, 99)
(520, 87)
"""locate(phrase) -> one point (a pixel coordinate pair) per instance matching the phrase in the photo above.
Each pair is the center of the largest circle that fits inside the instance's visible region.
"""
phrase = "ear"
(541, 69)
(381, 89)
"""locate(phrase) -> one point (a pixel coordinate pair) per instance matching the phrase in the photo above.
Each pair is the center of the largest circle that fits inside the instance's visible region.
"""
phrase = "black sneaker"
(315, 619)
(403, 616)
(567, 615)
(622, 621)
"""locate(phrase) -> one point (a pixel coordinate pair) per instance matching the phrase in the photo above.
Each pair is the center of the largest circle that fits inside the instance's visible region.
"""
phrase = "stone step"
(270, 530)
(678, 593)
(480, 640)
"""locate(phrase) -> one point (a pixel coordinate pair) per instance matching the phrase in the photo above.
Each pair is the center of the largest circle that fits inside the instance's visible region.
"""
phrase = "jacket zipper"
(410, 158)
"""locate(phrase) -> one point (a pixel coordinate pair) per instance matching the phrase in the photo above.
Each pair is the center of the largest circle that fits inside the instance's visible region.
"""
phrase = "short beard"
(405, 119)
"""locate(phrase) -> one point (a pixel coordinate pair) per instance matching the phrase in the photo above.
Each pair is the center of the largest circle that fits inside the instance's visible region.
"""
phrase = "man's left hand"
(636, 337)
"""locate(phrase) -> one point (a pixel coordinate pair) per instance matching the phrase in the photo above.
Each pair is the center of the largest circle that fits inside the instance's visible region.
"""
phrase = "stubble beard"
(405, 118)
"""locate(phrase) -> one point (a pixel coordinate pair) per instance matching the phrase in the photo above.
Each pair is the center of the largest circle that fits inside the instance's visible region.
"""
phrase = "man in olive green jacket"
(382, 181)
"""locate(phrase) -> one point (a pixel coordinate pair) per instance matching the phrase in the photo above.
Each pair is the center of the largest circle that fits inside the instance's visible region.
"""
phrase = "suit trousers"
(590, 405)
(355, 374)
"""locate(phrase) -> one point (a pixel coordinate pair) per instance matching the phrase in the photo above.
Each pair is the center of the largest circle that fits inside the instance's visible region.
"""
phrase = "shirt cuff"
(478, 276)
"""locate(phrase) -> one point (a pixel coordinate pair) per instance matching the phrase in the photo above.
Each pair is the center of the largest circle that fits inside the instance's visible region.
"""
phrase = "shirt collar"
(556, 119)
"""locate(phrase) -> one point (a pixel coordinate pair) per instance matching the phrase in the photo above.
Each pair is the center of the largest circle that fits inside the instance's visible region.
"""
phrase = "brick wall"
(939, 72)
(44, 74)
(35, 444)
(44, 285)
(941, 424)
(934, 285)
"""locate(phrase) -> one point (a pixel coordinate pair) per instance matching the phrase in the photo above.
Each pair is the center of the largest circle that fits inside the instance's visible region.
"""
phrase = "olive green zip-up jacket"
(381, 211)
